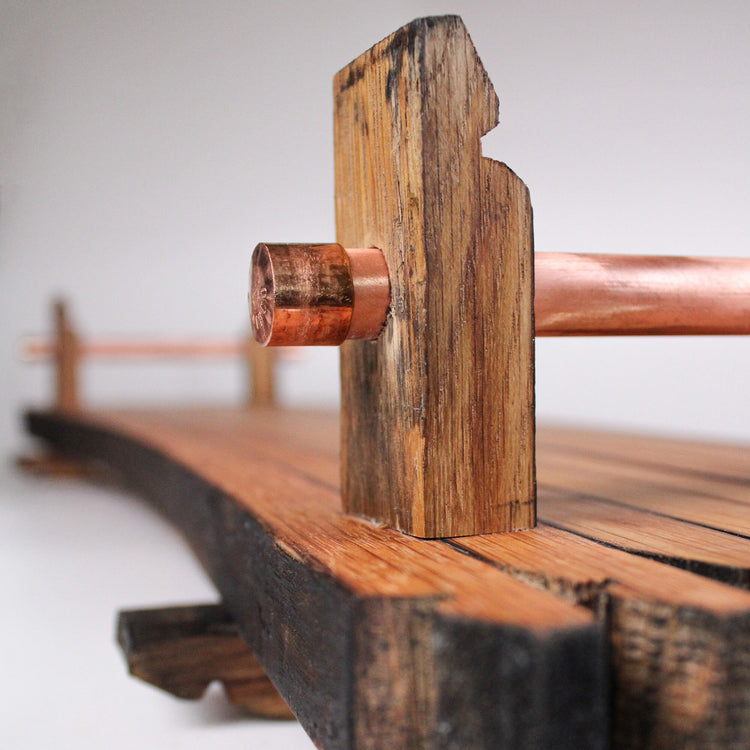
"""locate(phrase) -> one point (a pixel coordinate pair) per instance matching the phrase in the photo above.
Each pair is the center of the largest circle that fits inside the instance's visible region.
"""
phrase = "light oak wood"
(726, 463)
(307, 444)
(437, 415)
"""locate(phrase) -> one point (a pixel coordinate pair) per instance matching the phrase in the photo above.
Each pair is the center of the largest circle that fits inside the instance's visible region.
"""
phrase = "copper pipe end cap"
(301, 295)
(261, 298)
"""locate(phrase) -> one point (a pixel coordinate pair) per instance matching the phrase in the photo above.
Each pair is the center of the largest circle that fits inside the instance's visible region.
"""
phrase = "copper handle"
(324, 294)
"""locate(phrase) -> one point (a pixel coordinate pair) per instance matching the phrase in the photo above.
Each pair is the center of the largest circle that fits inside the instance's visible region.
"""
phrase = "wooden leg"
(183, 649)
(261, 365)
(67, 356)
(51, 464)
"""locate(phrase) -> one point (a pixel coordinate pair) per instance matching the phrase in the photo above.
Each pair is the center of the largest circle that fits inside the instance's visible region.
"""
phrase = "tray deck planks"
(375, 637)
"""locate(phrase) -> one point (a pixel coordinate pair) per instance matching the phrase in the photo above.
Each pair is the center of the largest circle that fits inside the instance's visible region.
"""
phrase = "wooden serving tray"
(589, 631)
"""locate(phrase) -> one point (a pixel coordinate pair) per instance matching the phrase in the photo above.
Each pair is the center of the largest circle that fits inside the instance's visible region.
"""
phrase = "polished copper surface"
(372, 292)
(313, 295)
(631, 295)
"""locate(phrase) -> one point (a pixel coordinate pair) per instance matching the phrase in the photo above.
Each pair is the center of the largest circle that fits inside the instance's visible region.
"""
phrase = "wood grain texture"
(726, 463)
(716, 554)
(307, 443)
(374, 638)
(667, 695)
(687, 498)
(680, 645)
(182, 650)
(437, 414)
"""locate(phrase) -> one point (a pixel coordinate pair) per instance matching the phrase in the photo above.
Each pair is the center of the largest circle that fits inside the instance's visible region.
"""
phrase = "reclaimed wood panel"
(710, 552)
(438, 413)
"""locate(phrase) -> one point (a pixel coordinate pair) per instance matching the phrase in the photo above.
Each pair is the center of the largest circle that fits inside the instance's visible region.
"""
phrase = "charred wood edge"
(366, 672)
(182, 650)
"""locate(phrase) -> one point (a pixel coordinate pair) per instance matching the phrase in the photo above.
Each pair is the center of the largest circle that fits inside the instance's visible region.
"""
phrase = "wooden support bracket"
(438, 413)
(183, 649)
(67, 357)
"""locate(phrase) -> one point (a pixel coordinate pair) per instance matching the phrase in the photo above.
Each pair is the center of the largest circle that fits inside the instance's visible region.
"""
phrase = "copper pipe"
(575, 295)
(633, 295)
(317, 295)
(37, 348)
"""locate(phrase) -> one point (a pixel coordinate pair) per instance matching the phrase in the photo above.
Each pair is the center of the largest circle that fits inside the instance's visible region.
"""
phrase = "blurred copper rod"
(36, 348)
(633, 295)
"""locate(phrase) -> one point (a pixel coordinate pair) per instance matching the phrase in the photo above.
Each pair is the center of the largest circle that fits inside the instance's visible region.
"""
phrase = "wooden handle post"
(261, 365)
(438, 412)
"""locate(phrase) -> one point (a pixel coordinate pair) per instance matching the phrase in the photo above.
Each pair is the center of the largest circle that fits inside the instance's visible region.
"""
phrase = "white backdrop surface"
(145, 147)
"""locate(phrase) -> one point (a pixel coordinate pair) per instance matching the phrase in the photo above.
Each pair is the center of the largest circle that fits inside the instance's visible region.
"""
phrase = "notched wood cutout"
(438, 413)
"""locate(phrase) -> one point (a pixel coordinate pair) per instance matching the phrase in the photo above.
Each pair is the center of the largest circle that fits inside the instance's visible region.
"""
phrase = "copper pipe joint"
(317, 295)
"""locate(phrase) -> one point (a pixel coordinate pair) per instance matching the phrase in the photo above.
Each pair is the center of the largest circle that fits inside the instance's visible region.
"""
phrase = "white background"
(145, 147)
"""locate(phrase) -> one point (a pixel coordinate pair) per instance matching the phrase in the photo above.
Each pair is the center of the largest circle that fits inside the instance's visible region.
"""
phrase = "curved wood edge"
(423, 668)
